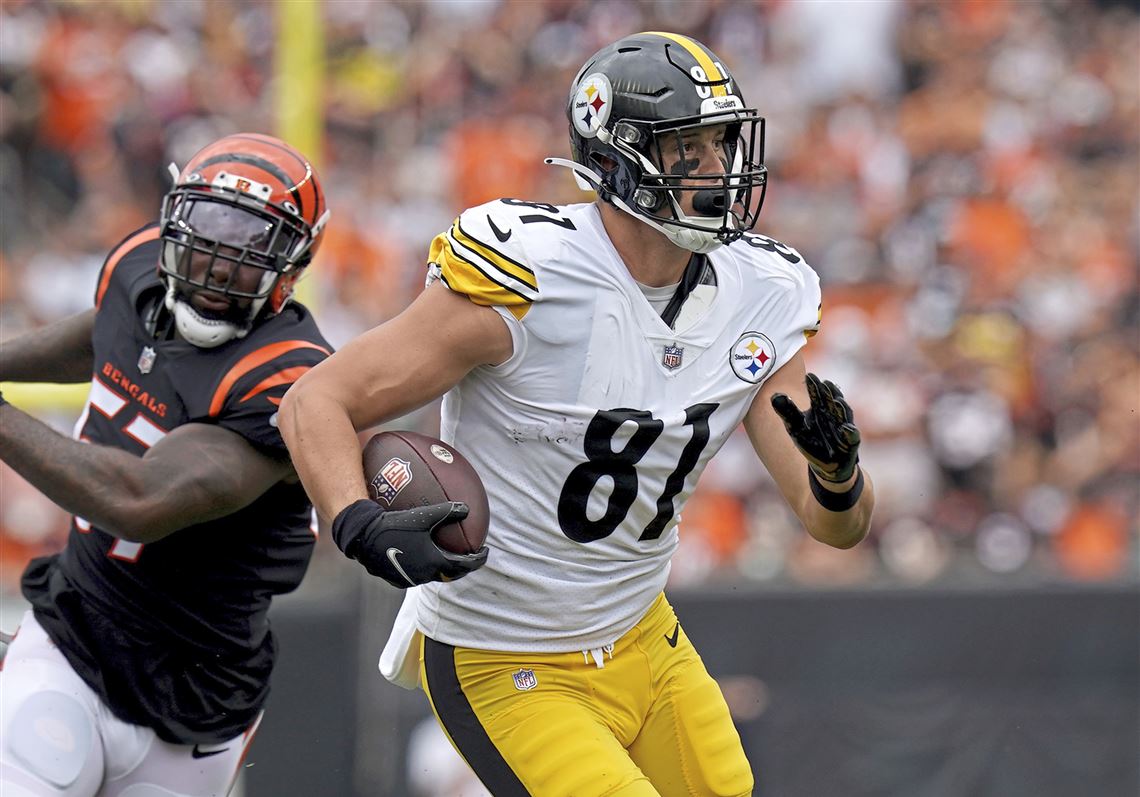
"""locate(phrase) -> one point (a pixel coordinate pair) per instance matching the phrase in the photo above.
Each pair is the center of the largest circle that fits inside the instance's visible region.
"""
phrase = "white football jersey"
(591, 437)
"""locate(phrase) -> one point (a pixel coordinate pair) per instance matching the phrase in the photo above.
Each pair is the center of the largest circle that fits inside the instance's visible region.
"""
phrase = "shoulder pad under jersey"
(490, 251)
(139, 238)
(783, 265)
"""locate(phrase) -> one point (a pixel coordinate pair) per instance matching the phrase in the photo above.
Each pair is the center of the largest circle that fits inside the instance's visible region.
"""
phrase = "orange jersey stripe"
(118, 254)
(253, 360)
(285, 377)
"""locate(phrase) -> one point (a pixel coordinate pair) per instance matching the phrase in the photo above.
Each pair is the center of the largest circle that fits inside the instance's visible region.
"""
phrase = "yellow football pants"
(651, 721)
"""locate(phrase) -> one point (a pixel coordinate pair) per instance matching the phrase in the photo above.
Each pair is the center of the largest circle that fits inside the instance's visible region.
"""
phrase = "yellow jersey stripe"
(712, 72)
(512, 268)
(517, 310)
(489, 269)
(810, 333)
(466, 277)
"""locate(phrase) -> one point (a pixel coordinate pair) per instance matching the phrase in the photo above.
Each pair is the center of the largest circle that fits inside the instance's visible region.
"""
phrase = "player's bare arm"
(60, 352)
(788, 464)
(196, 473)
(389, 371)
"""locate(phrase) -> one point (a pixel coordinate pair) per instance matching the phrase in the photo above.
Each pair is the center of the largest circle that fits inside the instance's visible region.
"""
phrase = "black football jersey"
(174, 634)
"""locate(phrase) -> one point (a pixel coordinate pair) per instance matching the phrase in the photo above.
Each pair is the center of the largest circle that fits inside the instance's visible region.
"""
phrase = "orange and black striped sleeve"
(246, 397)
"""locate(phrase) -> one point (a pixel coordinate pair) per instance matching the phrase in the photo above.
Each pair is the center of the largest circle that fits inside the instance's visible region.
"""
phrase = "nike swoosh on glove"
(397, 546)
(826, 433)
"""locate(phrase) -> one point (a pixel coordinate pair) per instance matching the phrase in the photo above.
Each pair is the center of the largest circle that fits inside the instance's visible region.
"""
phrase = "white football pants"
(58, 738)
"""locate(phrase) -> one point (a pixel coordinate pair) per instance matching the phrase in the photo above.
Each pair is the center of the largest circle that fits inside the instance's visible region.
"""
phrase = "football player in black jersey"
(144, 663)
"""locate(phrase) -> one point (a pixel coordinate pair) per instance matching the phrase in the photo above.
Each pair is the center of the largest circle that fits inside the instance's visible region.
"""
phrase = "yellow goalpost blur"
(299, 76)
(37, 398)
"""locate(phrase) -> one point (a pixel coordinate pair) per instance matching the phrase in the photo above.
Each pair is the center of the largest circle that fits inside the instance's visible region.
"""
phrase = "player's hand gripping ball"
(427, 518)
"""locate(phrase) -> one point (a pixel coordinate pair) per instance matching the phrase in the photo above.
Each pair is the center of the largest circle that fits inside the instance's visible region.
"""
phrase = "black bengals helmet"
(641, 95)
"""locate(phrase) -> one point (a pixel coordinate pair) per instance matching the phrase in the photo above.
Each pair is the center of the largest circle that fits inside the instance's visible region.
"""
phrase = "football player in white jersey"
(592, 359)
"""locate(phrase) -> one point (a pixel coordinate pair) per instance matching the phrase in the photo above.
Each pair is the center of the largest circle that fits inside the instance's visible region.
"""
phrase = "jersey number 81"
(620, 466)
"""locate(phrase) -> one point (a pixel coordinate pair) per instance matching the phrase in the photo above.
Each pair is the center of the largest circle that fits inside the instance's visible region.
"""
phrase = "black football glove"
(396, 545)
(826, 434)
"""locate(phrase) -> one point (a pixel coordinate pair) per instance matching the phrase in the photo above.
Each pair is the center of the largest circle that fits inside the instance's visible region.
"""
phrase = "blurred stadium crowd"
(963, 176)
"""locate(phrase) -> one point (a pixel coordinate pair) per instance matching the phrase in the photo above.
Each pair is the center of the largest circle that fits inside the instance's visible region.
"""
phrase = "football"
(405, 470)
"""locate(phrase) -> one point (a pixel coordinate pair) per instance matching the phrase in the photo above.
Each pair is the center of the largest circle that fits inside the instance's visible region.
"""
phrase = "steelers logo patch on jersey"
(752, 356)
(592, 103)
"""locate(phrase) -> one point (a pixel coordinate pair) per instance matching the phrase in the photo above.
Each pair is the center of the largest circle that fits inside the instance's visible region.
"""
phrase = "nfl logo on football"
(671, 359)
(392, 478)
(524, 680)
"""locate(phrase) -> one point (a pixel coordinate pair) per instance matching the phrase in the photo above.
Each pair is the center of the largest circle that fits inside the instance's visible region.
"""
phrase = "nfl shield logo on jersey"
(393, 477)
(671, 359)
(524, 680)
(146, 359)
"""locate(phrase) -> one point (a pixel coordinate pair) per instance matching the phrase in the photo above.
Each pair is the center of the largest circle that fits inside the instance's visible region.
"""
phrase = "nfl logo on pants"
(524, 680)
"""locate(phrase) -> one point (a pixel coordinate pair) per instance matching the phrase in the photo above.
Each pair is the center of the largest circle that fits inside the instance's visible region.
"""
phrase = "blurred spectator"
(962, 175)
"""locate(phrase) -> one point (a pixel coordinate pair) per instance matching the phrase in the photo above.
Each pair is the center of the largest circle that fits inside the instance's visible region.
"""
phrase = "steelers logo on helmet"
(752, 357)
(592, 104)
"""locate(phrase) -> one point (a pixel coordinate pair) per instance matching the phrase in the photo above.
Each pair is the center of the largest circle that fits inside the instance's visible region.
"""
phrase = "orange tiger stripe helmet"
(251, 200)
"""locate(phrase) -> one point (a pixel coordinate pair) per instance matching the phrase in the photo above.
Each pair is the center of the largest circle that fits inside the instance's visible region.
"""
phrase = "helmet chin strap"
(700, 242)
(205, 333)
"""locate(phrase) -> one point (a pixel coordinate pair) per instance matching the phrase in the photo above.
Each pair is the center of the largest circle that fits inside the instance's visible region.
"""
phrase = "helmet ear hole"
(606, 165)
(282, 292)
